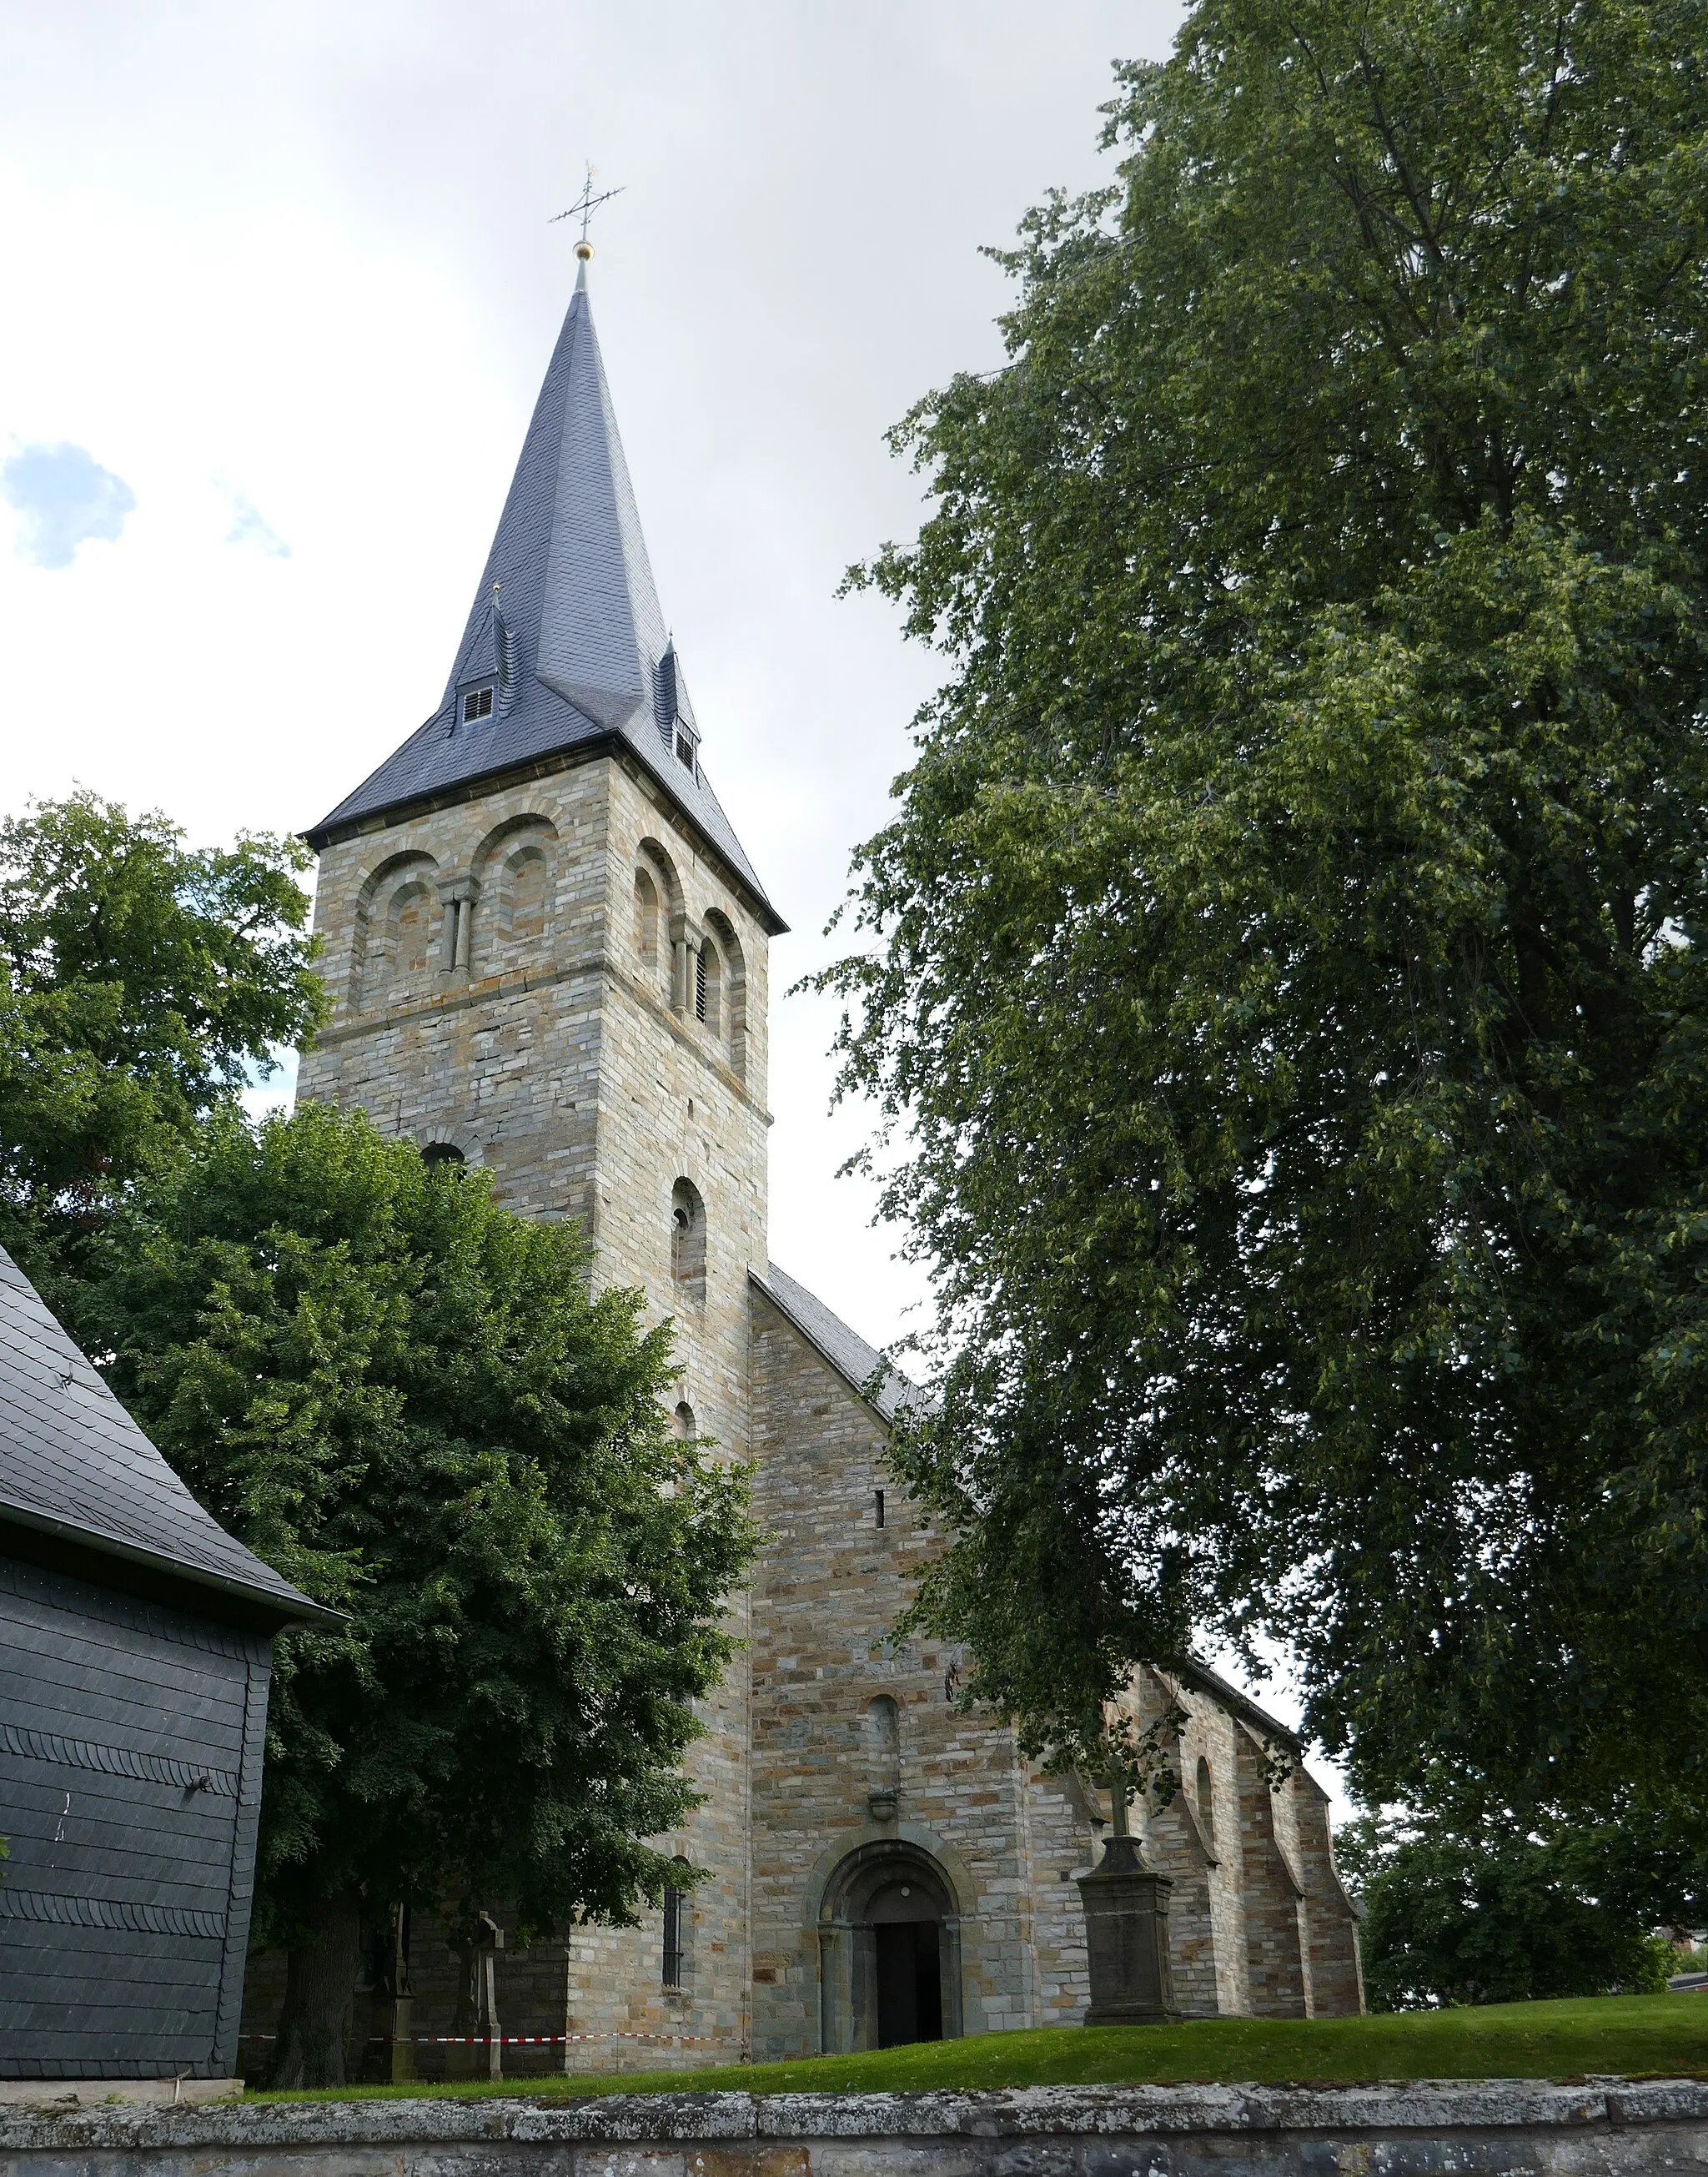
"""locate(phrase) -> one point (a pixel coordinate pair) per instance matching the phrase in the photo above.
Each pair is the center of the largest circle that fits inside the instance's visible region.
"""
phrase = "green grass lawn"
(1629, 2035)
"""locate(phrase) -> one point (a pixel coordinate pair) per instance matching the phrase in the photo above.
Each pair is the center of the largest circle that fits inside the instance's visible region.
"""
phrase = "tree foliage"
(1464, 1905)
(406, 1399)
(139, 981)
(1284, 967)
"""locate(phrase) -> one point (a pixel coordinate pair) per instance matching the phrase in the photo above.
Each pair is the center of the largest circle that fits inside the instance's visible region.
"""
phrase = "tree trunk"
(319, 1991)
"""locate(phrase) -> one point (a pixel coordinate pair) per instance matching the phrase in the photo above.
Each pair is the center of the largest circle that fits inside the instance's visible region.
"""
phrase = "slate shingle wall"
(124, 1912)
(70, 1453)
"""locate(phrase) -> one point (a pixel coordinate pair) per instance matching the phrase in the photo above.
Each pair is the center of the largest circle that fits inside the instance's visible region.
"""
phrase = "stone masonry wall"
(1258, 1922)
(830, 1585)
(678, 1100)
(1421, 2128)
(1336, 1971)
(491, 992)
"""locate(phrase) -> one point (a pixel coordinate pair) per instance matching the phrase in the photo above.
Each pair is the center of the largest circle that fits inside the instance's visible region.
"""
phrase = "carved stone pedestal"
(1126, 1937)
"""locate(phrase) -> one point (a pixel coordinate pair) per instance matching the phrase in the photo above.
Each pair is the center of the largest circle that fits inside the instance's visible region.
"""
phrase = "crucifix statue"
(584, 206)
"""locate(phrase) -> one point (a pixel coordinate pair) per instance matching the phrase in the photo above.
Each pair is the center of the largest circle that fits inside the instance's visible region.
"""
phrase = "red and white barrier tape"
(535, 2040)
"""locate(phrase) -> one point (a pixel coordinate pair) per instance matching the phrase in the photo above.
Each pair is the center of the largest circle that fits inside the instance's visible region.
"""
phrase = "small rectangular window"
(477, 704)
(878, 1505)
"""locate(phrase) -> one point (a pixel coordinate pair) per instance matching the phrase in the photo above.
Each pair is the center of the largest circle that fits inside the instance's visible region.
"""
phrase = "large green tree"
(409, 1401)
(140, 982)
(1284, 973)
(1463, 1903)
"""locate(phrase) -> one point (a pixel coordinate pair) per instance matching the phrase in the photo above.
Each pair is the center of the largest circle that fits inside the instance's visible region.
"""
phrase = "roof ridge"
(855, 1361)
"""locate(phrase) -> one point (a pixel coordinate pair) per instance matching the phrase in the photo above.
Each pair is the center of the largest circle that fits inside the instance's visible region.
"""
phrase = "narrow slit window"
(878, 1506)
(675, 1929)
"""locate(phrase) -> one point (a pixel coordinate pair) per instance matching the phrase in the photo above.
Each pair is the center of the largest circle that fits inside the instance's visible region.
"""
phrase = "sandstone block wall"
(1259, 1924)
(496, 988)
(828, 1589)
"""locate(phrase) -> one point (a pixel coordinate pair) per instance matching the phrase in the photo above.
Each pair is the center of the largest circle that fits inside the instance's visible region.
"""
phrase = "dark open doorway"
(910, 1983)
(907, 1936)
(890, 1949)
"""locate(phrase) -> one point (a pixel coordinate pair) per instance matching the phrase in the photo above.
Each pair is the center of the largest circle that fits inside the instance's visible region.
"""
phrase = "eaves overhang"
(86, 1552)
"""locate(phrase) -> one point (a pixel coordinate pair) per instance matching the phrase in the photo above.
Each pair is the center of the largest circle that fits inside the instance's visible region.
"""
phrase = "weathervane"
(586, 204)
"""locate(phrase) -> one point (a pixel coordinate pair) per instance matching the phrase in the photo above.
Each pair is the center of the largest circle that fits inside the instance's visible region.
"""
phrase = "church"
(548, 954)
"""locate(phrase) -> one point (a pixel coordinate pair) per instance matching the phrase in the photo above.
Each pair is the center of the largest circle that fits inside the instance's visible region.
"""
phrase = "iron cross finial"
(586, 204)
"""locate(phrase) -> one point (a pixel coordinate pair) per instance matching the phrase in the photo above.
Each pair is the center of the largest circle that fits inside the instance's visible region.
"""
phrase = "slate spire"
(569, 557)
(565, 642)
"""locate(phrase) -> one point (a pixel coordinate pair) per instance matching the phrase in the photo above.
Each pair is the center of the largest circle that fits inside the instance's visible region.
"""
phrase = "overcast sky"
(281, 288)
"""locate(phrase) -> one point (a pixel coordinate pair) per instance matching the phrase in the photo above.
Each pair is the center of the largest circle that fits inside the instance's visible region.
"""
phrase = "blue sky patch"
(66, 497)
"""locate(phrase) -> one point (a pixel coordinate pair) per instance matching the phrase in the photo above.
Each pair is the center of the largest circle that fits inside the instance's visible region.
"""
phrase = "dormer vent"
(477, 704)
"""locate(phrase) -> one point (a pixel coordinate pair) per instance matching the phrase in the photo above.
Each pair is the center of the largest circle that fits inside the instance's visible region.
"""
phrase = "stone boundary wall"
(1437, 2128)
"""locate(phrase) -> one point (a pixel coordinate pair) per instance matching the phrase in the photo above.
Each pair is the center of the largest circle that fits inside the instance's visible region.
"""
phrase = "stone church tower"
(548, 954)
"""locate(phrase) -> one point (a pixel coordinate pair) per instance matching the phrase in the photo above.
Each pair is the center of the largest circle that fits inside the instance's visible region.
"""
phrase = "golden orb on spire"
(584, 249)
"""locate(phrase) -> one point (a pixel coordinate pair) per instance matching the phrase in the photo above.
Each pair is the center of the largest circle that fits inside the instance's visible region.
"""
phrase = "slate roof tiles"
(565, 627)
(845, 1350)
(74, 1463)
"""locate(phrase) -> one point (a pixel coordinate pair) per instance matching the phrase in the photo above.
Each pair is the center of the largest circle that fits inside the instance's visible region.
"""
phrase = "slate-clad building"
(135, 1648)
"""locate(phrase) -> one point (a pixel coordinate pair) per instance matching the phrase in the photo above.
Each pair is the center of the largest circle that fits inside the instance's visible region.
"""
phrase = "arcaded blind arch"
(688, 1240)
(400, 882)
(646, 923)
(527, 873)
(658, 909)
(503, 913)
(684, 1423)
(409, 928)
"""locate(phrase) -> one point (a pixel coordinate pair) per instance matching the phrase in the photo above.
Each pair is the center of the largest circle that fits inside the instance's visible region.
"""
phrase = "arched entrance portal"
(889, 1951)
